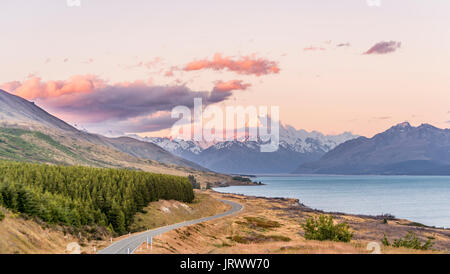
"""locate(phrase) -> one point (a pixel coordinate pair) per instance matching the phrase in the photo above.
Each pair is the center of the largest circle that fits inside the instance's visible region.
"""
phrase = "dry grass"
(164, 213)
(265, 225)
(18, 235)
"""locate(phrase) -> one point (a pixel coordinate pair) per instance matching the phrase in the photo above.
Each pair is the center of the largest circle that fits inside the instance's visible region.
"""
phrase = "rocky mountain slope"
(402, 149)
(245, 157)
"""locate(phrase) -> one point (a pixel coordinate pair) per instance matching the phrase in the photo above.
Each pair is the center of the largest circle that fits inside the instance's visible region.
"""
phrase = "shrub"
(239, 239)
(385, 241)
(323, 228)
(2, 216)
(409, 241)
(194, 183)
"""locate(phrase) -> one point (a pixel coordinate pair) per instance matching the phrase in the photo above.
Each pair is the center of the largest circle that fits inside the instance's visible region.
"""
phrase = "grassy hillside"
(163, 213)
(44, 145)
(25, 145)
(22, 145)
(19, 235)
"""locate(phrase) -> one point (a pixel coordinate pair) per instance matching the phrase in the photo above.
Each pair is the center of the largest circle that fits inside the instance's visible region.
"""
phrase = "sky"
(330, 66)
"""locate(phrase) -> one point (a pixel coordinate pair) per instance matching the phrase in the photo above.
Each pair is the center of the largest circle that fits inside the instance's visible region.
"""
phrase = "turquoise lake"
(423, 199)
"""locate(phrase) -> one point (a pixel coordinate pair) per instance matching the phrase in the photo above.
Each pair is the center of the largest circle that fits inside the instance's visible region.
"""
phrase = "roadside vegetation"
(78, 196)
(164, 212)
(322, 228)
(409, 241)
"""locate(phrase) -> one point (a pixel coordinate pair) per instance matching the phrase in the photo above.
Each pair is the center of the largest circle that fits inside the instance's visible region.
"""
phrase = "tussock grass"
(260, 222)
(258, 238)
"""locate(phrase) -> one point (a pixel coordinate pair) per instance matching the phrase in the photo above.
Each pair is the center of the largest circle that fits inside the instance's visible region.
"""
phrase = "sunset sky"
(331, 66)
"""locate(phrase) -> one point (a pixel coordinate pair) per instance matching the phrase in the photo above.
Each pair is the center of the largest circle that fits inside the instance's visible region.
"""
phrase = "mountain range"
(27, 132)
(400, 150)
(244, 156)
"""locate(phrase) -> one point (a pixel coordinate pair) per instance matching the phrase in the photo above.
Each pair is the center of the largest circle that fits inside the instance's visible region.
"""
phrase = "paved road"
(130, 244)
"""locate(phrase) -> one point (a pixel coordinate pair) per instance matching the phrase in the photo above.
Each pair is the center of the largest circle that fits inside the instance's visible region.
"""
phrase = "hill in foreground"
(29, 132)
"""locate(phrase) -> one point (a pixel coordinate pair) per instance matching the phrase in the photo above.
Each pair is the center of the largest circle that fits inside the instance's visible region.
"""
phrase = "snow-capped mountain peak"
(244, 155)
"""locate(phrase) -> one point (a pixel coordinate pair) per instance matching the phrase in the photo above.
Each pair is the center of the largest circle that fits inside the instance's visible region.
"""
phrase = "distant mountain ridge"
(400, 150)
(244, 156)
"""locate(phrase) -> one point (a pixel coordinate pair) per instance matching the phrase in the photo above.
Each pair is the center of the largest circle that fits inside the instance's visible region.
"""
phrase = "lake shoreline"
(422, 199)
(307, 208)
(236, 235)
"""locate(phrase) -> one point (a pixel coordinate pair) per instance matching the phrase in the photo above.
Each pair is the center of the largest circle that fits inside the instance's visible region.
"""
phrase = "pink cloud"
(312, 48)
(170, 71)
(250, 65)
(231, 85)
(89, 99)
(154, 62)
(35, 88)
(10, 86)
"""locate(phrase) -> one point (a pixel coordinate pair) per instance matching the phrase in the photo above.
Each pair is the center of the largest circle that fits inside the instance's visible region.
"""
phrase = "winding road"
(131, 243)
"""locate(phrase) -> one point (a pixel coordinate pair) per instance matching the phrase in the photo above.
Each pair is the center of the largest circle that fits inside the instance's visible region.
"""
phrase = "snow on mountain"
(244, 156)
(290, 138)
(304, 141)
(401, 150)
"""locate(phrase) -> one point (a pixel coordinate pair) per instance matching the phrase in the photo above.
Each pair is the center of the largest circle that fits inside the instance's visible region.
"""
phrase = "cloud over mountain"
(34, 88)
(131, 106)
